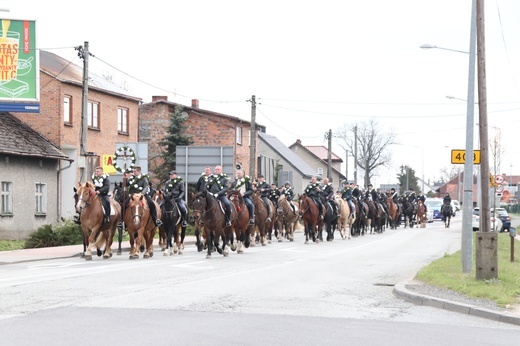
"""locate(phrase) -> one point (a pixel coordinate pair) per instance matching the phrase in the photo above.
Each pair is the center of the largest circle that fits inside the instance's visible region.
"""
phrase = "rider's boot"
(228, 218)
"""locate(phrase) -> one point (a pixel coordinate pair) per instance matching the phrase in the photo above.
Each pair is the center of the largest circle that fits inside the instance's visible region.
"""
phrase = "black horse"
(447, 212)
(409, 212)
(330, 220)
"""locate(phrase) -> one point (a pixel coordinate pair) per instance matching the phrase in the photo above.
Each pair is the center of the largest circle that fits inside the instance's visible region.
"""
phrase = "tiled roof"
(16, 138)
(66, 71)
(322, 153)
(289, 155)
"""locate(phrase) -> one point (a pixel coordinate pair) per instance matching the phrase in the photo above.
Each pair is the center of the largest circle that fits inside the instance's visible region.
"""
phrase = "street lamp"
(467, 206)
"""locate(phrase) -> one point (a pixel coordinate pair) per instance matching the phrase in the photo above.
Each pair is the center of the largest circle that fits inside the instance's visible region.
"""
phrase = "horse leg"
(119, 239)
(209, 242)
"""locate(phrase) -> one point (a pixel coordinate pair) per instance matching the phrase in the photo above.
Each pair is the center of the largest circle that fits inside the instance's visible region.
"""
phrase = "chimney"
(194, 103)
(159, 98)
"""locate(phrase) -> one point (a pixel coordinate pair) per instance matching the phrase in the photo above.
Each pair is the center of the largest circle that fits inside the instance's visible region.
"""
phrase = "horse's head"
(198, 205)
(118, 192)
(138, 206)
(84, 195)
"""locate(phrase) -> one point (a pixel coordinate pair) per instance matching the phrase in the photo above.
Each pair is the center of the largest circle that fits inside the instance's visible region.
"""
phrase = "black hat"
(173, 172)
(370, 185)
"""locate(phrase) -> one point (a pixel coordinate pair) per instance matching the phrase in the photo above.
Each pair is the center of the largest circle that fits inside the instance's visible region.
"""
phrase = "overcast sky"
(313, 66)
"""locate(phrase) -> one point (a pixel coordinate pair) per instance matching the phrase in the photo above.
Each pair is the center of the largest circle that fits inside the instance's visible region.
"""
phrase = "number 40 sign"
(459, 156)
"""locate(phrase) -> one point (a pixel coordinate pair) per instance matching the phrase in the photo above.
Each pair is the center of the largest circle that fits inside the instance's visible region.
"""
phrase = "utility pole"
(329, 154)
(486, 255)
(252, 149)
(346, 164)
(83, 54)
(355, 155)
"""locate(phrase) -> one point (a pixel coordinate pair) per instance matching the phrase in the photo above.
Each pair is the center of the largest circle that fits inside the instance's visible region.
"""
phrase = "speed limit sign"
(499, 179)
(500, 188)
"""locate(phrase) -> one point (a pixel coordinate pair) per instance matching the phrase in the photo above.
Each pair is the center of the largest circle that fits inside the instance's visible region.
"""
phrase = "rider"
(412, 198)
(447, 199)
(217, 184)
(422, 198)
(327, 194)
(102, 186)
(289, 194)
(265, 193)
(313, 191)
(243, 184)
(346, 194)
(356, 193)
(138, 183)
(175, 189)
(275, 195)
(394, 195)
(201, 183)
(371, 193)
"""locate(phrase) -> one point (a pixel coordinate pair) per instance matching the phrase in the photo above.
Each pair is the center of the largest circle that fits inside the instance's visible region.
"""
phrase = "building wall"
(206, 129)
(24, 172)
(316, 164)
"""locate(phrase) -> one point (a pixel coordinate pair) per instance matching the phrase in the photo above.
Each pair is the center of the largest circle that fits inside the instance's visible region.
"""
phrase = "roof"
(16, 138)
(288, 155)
(322, 153)
(67, 72)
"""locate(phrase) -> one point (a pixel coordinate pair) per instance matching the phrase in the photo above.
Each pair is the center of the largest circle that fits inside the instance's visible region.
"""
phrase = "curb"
(400, 291)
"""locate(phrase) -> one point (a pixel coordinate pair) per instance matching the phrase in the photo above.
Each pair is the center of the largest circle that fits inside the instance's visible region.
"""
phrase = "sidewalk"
(400, 290)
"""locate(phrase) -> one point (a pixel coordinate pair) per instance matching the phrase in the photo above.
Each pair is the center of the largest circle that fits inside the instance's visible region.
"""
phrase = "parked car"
(434, 206)
(456, 205)
(495, 222)
(504, 217)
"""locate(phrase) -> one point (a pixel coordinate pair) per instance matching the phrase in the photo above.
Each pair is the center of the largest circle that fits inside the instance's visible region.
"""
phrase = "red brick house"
(207, 128)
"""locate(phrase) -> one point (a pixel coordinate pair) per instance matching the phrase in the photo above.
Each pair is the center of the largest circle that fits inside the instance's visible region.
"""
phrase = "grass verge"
(447, 272)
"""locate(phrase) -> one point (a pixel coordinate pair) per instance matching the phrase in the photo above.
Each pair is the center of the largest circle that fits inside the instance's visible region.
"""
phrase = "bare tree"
(372, 145)
(497, 151)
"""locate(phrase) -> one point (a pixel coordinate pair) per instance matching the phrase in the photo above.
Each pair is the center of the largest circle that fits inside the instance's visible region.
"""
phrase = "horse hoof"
(133, 257)
(240, 251)
(119, 253)
(146, 255)
(165, 253)
(225, 254)
(88, 257)
(208, 256)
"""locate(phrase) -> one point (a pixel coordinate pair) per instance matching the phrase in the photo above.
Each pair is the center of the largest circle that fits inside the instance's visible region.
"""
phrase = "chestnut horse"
(393, 211)
(262, 226)
(140, 225)
(287, 219)
(309, 212)
(241, 224)
(421, 215)
(207, 209)
(95, 231)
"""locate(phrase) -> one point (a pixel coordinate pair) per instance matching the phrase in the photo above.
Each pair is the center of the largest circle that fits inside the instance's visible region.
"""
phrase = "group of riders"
(218, 185)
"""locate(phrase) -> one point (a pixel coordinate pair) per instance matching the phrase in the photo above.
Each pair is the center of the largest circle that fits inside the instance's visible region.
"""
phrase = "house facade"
(113, 117)
(206, 128)
(31, 168)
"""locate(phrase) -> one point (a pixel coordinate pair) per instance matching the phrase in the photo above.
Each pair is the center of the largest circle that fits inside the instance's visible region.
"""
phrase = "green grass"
(447, 272)
(7, 245)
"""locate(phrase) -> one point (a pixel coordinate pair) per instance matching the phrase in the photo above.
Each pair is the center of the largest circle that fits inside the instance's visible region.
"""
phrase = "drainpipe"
(59, 189)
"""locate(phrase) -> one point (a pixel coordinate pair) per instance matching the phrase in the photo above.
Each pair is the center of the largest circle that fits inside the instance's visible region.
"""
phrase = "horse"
(286, 218)
(119, 196)
(196, 220)
(408, 212)
(421, 215)
(95, 231)
(207, 209)
(330, 220)
(309, 212)
(446, 212)
(361, 218)
(262, 226)
(171, 233)
(140, 225)
(241, 225)
(346, 218)
(393, 211)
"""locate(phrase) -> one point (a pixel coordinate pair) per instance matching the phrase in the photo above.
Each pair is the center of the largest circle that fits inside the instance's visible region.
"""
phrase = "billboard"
(19, 66)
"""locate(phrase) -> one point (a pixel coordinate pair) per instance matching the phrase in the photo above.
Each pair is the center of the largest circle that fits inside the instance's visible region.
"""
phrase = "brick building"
(207, 128)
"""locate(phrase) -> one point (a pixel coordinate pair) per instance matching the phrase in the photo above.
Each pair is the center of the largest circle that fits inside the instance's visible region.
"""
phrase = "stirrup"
(158, 222)
(321, 217)
(184, 223)
(251, 222)
(268, 219)
(228, 223)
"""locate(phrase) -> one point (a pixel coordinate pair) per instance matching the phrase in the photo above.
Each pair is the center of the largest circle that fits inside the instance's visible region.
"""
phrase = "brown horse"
(207, 209)
(393, 212)
(95, 231)
(241, 225)
(196, 220)
(140, 225)
(171, 233)
(309, 212)
(346, 218)
(286, 218)
(262, 226)
(421, 214)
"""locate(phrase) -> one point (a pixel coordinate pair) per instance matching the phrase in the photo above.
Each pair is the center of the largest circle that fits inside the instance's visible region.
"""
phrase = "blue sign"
(19, 107)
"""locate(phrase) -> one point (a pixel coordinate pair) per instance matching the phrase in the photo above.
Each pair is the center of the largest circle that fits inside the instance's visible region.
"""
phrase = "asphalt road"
(289, 293)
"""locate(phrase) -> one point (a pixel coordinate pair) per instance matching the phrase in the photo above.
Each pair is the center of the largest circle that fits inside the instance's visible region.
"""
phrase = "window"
(67, 110)
(239, 135)
(6, 198)
(93, 114)
(40, 194)
(320, 171)
(122, 120)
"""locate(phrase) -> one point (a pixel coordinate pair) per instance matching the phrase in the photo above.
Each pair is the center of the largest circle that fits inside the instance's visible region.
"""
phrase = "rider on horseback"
(275, 194)
(289, 194)
(356, 193)
(201, 183)
(217, 185)
(102, 186)
(327, 194)
(447, 199)
(265, 193)
(313, 191)
(175, 189)
(138, 183)
(243, 184)
(371, 194)
(422, 198)
(346, 194)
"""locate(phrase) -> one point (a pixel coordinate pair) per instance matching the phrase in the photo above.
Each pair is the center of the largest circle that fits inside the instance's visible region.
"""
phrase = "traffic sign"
(458, 156)
(499, 188)
(499, 179)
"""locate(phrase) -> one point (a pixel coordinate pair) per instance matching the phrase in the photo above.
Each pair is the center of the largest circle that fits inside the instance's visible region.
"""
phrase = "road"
(287, 293)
